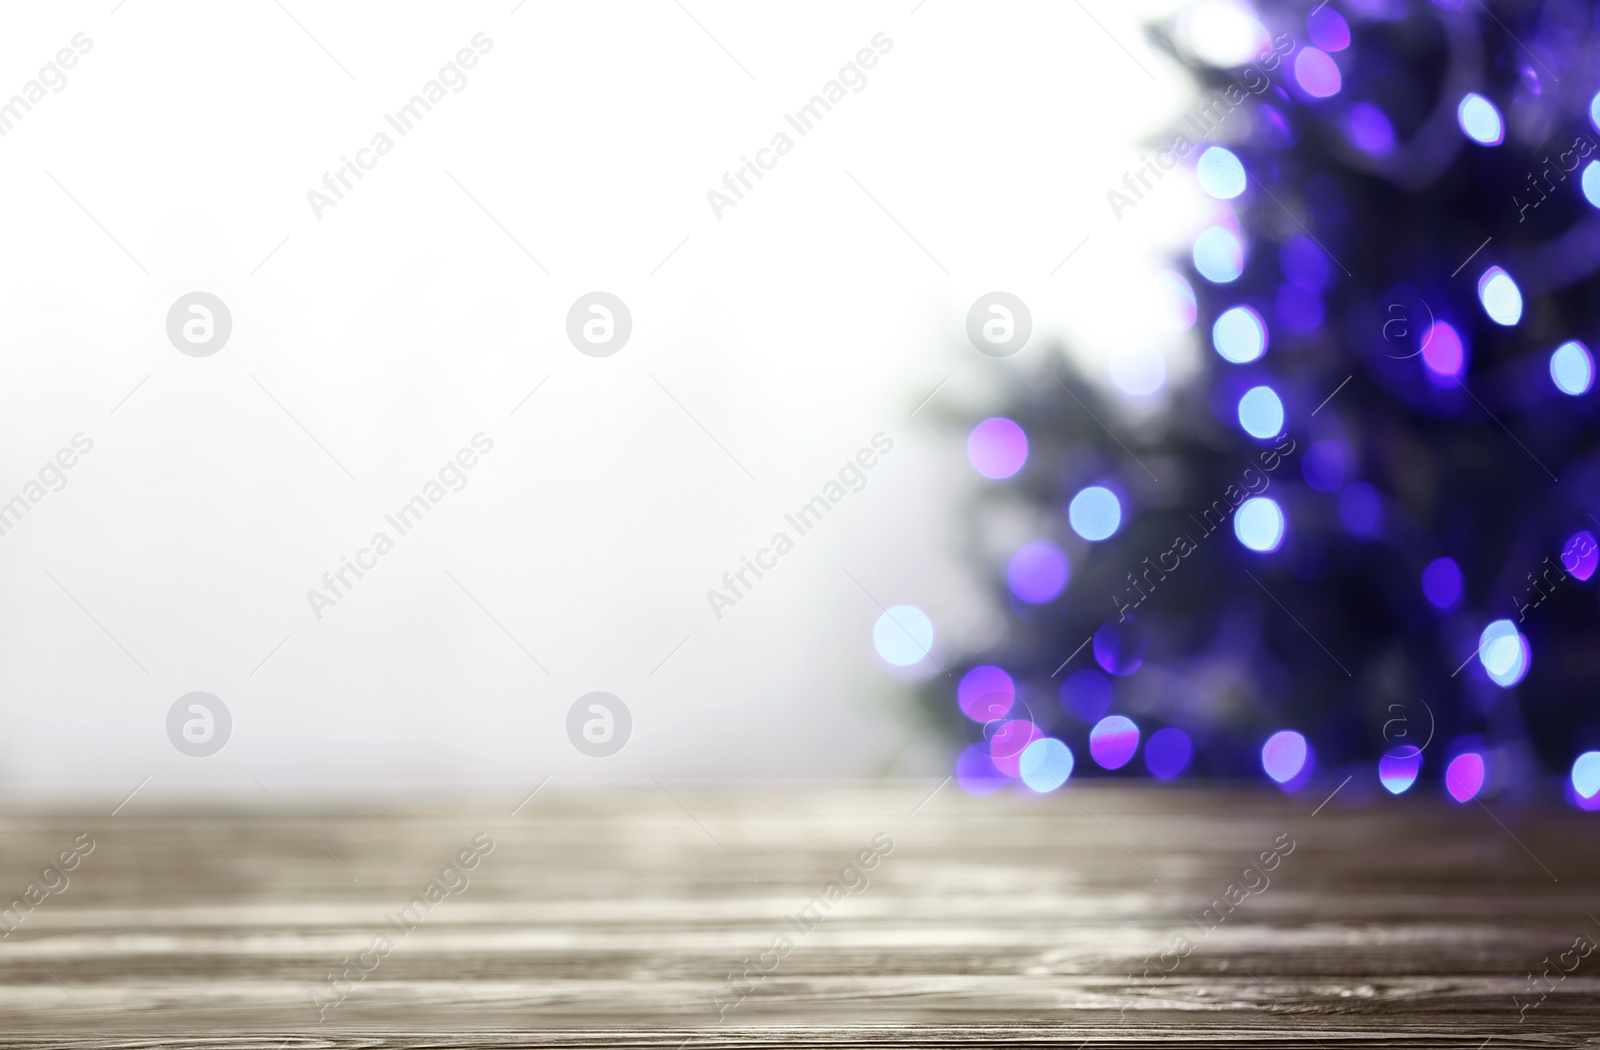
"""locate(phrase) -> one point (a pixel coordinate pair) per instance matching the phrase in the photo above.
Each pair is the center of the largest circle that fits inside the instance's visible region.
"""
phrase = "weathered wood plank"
(615, 919)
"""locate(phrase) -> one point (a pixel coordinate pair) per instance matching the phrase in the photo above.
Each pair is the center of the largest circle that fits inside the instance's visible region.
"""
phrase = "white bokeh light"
(903, 635)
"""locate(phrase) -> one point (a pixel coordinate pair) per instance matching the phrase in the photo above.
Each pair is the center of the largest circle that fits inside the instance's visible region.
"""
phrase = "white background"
(405, 320)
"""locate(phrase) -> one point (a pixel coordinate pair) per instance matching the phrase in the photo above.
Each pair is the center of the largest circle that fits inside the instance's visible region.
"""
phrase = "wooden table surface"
(616, 919)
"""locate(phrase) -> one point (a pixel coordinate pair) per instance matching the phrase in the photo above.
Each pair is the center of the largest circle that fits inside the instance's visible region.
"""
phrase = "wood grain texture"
(614, 919)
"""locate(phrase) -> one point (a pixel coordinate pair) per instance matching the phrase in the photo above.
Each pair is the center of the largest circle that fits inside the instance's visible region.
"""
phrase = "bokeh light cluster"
(1365, 522)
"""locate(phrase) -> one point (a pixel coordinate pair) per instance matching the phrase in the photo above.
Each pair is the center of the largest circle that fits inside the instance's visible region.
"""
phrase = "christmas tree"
(1361, 540)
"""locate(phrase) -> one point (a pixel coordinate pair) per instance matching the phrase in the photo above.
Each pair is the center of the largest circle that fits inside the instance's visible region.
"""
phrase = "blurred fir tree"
(1411, 197)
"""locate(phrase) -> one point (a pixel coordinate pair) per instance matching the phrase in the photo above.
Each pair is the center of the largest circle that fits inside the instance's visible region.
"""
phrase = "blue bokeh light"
(1586, 774)
(1261, 413)
(1328, 29)
(1572, 368)
(1220, 173)
(1441, 583)
(1591, 183)
(1167, 753)
(1504, 653)
(1501, 298)
(1038, 572)
(1218, 256)
(1045, 764)
(1259, 524)
(1480, 120)
(1240, 335)
(903, 635)
(1095, 513)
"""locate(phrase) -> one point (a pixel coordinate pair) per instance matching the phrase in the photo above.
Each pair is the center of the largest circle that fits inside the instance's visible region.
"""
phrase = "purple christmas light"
(1463, 778)
(1038, 572)
(1167, 753)
(997, 448)
(1441, 583)
(1113, 741)
(986, 692)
